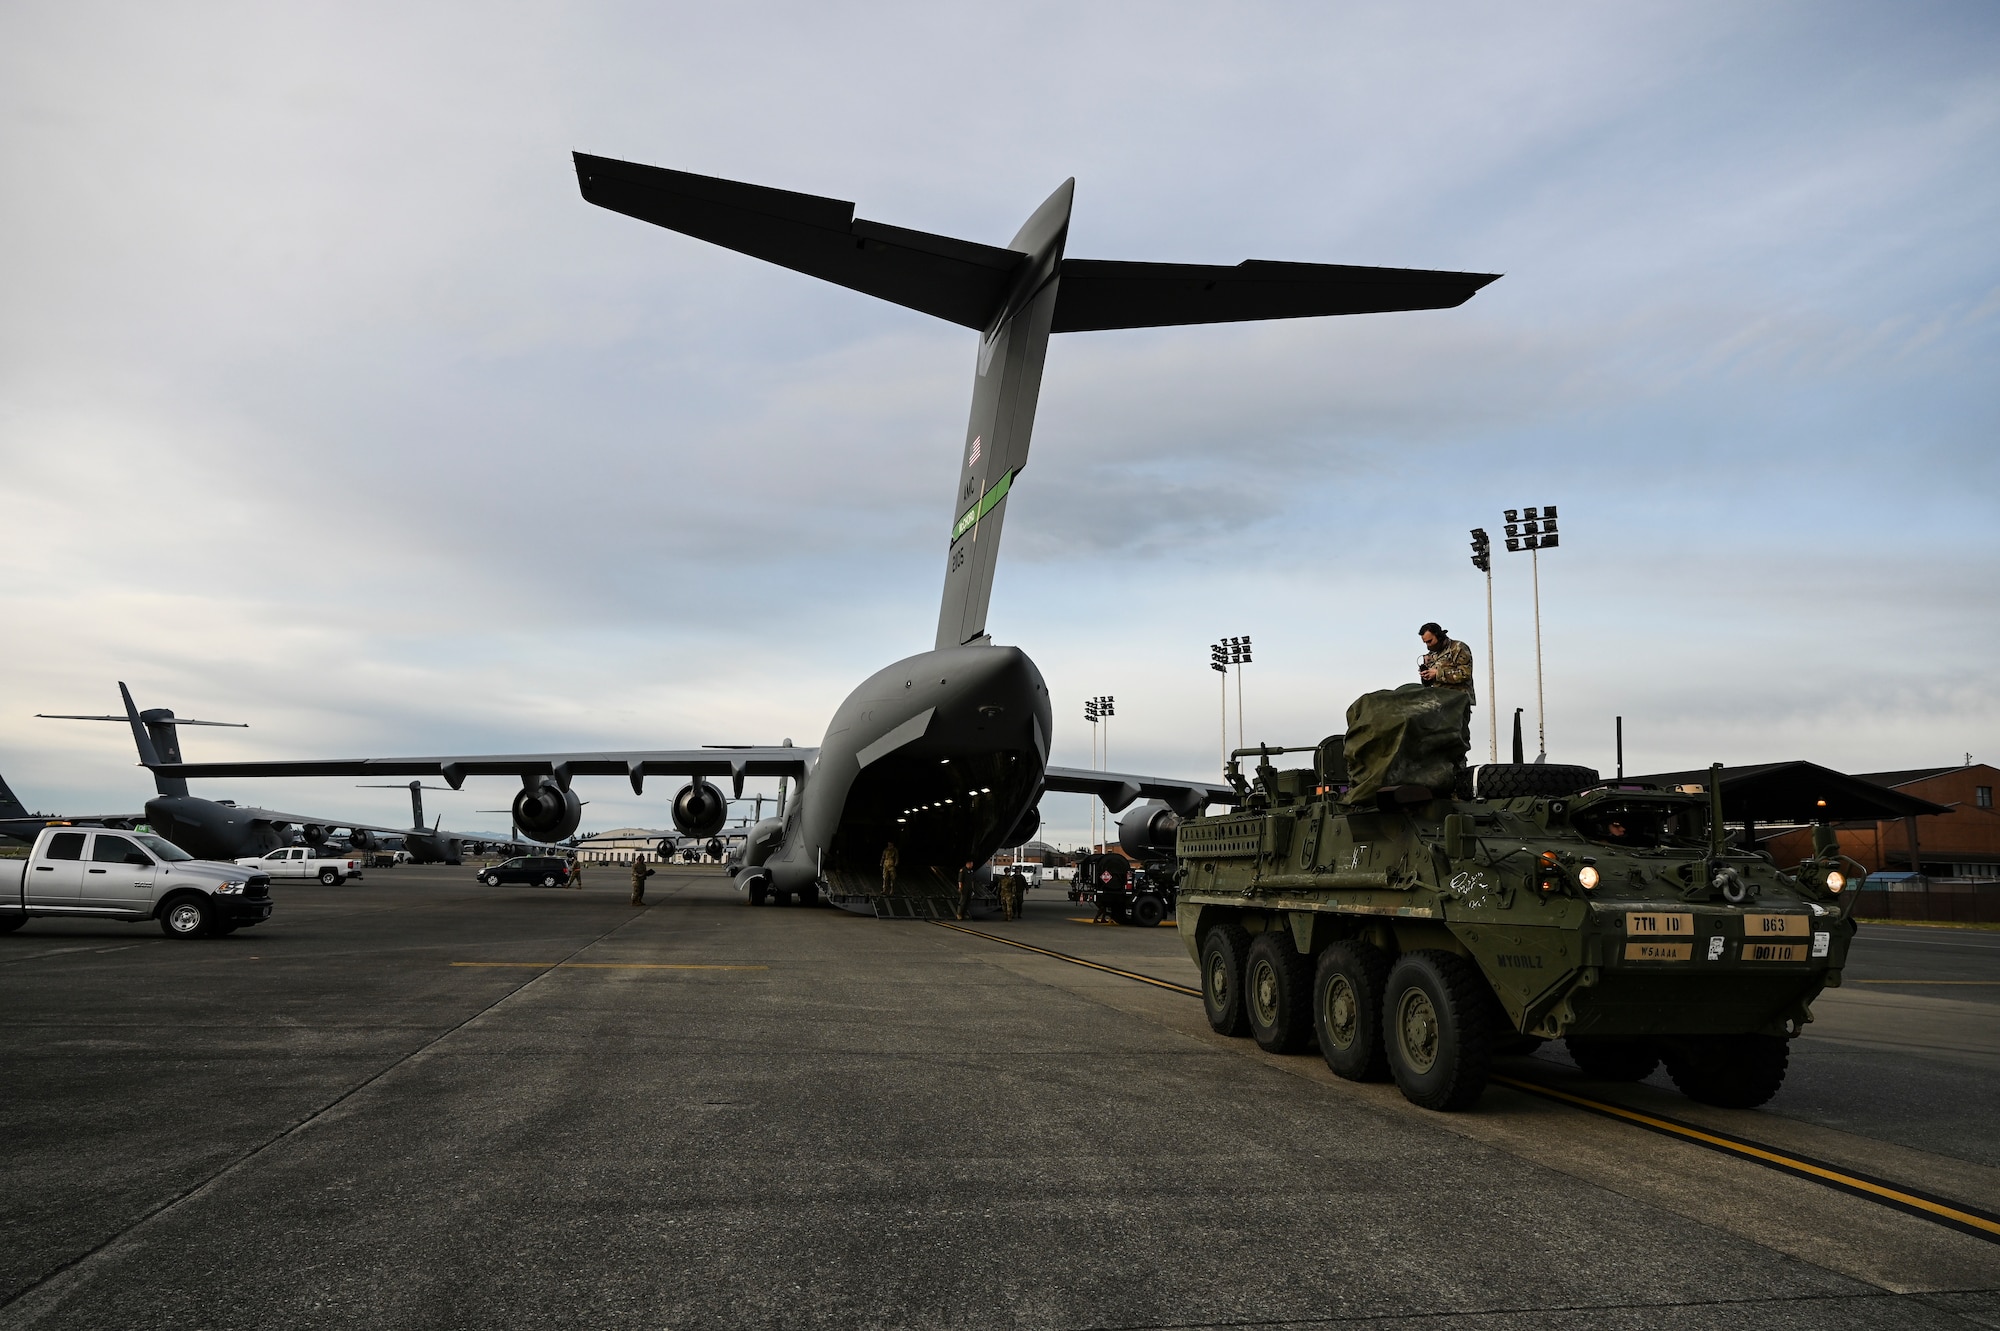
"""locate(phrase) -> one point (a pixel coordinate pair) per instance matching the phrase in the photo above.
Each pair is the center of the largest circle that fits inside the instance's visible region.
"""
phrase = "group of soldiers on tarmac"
(1012, 886)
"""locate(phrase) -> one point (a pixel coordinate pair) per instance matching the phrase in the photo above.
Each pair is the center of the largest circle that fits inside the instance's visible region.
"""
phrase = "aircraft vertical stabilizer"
(10, 805)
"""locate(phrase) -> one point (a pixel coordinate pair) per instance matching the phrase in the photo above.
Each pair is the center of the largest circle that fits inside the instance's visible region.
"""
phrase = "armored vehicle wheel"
(1148, 910)
(1610, 1059)
(1223, 950)
(1277, 993)
(1732, 1071)
(187, 918)
(1347, 1010)
(1436, 1024)
(1499, 781)
(757, 892)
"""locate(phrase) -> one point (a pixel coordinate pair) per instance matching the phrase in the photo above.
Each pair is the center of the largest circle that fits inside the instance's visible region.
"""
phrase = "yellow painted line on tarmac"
(1074, 961)
(608, 965)
(1980, 1224)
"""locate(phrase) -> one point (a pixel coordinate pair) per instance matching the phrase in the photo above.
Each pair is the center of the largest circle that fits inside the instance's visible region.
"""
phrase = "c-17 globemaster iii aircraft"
(944, 753)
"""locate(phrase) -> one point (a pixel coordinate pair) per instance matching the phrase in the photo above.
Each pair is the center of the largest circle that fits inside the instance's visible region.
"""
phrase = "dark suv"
(542, 870)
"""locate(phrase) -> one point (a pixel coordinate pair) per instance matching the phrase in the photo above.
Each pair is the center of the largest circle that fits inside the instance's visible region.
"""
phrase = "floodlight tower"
(1534, 530)
(1218, 660)
(1239, 656)
(1482, 559)
(1090, 715)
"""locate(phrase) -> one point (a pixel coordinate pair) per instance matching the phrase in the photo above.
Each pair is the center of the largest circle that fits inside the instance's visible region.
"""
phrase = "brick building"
(1961, 842)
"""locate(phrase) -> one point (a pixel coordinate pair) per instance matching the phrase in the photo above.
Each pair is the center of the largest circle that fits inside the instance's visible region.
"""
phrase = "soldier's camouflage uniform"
(1453, 664)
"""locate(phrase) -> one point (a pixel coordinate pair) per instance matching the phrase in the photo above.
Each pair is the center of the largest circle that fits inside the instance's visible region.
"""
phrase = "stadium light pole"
(1482, 559)
(1239, 656)
(1090, 715)
(1534, 530)
(1218, 660)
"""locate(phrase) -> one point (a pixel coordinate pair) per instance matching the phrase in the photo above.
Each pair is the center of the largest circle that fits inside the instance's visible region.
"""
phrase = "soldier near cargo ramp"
(1446, 664)
(965, 877)
(640, 873)
(890, 859)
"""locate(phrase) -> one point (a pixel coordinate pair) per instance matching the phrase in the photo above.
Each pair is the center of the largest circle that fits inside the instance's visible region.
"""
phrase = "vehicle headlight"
(230, 887)
(1835, 880)
(1587, 875)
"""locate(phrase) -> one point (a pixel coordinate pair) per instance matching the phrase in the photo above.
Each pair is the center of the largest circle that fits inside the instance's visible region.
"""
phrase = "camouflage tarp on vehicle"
(1409, 736)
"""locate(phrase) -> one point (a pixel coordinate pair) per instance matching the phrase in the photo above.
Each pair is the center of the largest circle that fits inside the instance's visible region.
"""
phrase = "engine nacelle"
(1024, 831)
(362, 840)
(547, 812)
(1147, 832)
(700, 810)
(665, 850)
(314, 834)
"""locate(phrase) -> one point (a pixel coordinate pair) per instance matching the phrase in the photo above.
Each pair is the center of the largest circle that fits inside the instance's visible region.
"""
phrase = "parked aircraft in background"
(18, 824)
(224, 830)
(944, 753)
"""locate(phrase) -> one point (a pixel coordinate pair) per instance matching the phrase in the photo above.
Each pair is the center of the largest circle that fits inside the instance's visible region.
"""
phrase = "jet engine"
(1147, 833)
(665, 850)
(1024, 831)
(700, 810)
(361, 839)
(314, 834)
(547, 812)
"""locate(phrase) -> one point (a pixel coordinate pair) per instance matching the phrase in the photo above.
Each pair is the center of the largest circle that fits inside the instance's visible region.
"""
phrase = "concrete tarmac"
(418, 1101)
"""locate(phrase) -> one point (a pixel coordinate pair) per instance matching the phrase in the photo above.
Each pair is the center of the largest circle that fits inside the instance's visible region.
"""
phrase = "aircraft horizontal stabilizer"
(952, 279)
(1118, 789)
(1106, 293)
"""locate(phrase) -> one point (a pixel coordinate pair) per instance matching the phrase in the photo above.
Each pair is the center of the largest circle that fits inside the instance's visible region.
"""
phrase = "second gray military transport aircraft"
(944, 753)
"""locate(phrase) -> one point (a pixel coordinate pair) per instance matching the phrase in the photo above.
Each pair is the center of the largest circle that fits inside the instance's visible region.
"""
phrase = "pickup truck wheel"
(1436, 1020)
(1613, 1060)
(1223, 949)
(189, 917)
(1347, 1010)
(11, 921)
(329, 876)
(1148, 910)
(1732, 1071)
(1277, 993)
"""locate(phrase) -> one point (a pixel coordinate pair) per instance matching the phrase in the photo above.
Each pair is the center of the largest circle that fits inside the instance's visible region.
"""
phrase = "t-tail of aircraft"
(155, 733)
(1015, 297)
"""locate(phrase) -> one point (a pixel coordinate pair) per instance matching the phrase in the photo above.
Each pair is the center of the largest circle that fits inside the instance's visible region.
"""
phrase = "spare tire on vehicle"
(1501, 781)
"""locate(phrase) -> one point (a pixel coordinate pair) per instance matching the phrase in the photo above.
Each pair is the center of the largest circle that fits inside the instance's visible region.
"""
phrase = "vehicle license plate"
(1774, 951)
(1656, 924)
(1659, 951)
(1776, 926)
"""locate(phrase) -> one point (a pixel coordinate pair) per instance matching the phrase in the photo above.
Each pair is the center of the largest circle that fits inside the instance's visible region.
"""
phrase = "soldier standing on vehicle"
(890, 859)
(965, 877)
(1446, 664)
(640, 873)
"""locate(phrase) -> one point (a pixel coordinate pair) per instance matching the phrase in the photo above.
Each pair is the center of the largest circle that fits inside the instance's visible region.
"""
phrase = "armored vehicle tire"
(1610, 1059)
(1499, 781)
(189, 917)
(1223, 949)
(1347, 1010)
(1731, 1071)
(1277, 993)
(330, 877)
(1436, 1024)
(1148, 911)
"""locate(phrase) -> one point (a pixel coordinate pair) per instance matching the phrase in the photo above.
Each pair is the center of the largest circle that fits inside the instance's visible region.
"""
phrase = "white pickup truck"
(96, 873)
(303, 862)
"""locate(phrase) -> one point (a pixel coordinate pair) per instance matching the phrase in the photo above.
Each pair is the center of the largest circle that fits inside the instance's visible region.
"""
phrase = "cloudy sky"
(327, 405)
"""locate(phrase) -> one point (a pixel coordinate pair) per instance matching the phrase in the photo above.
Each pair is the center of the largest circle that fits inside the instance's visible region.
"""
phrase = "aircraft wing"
(1110, 293)
(634, 765)
(1118, 789)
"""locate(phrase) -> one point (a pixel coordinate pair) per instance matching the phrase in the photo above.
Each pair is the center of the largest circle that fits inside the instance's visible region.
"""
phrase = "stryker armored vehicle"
(1368, 901)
